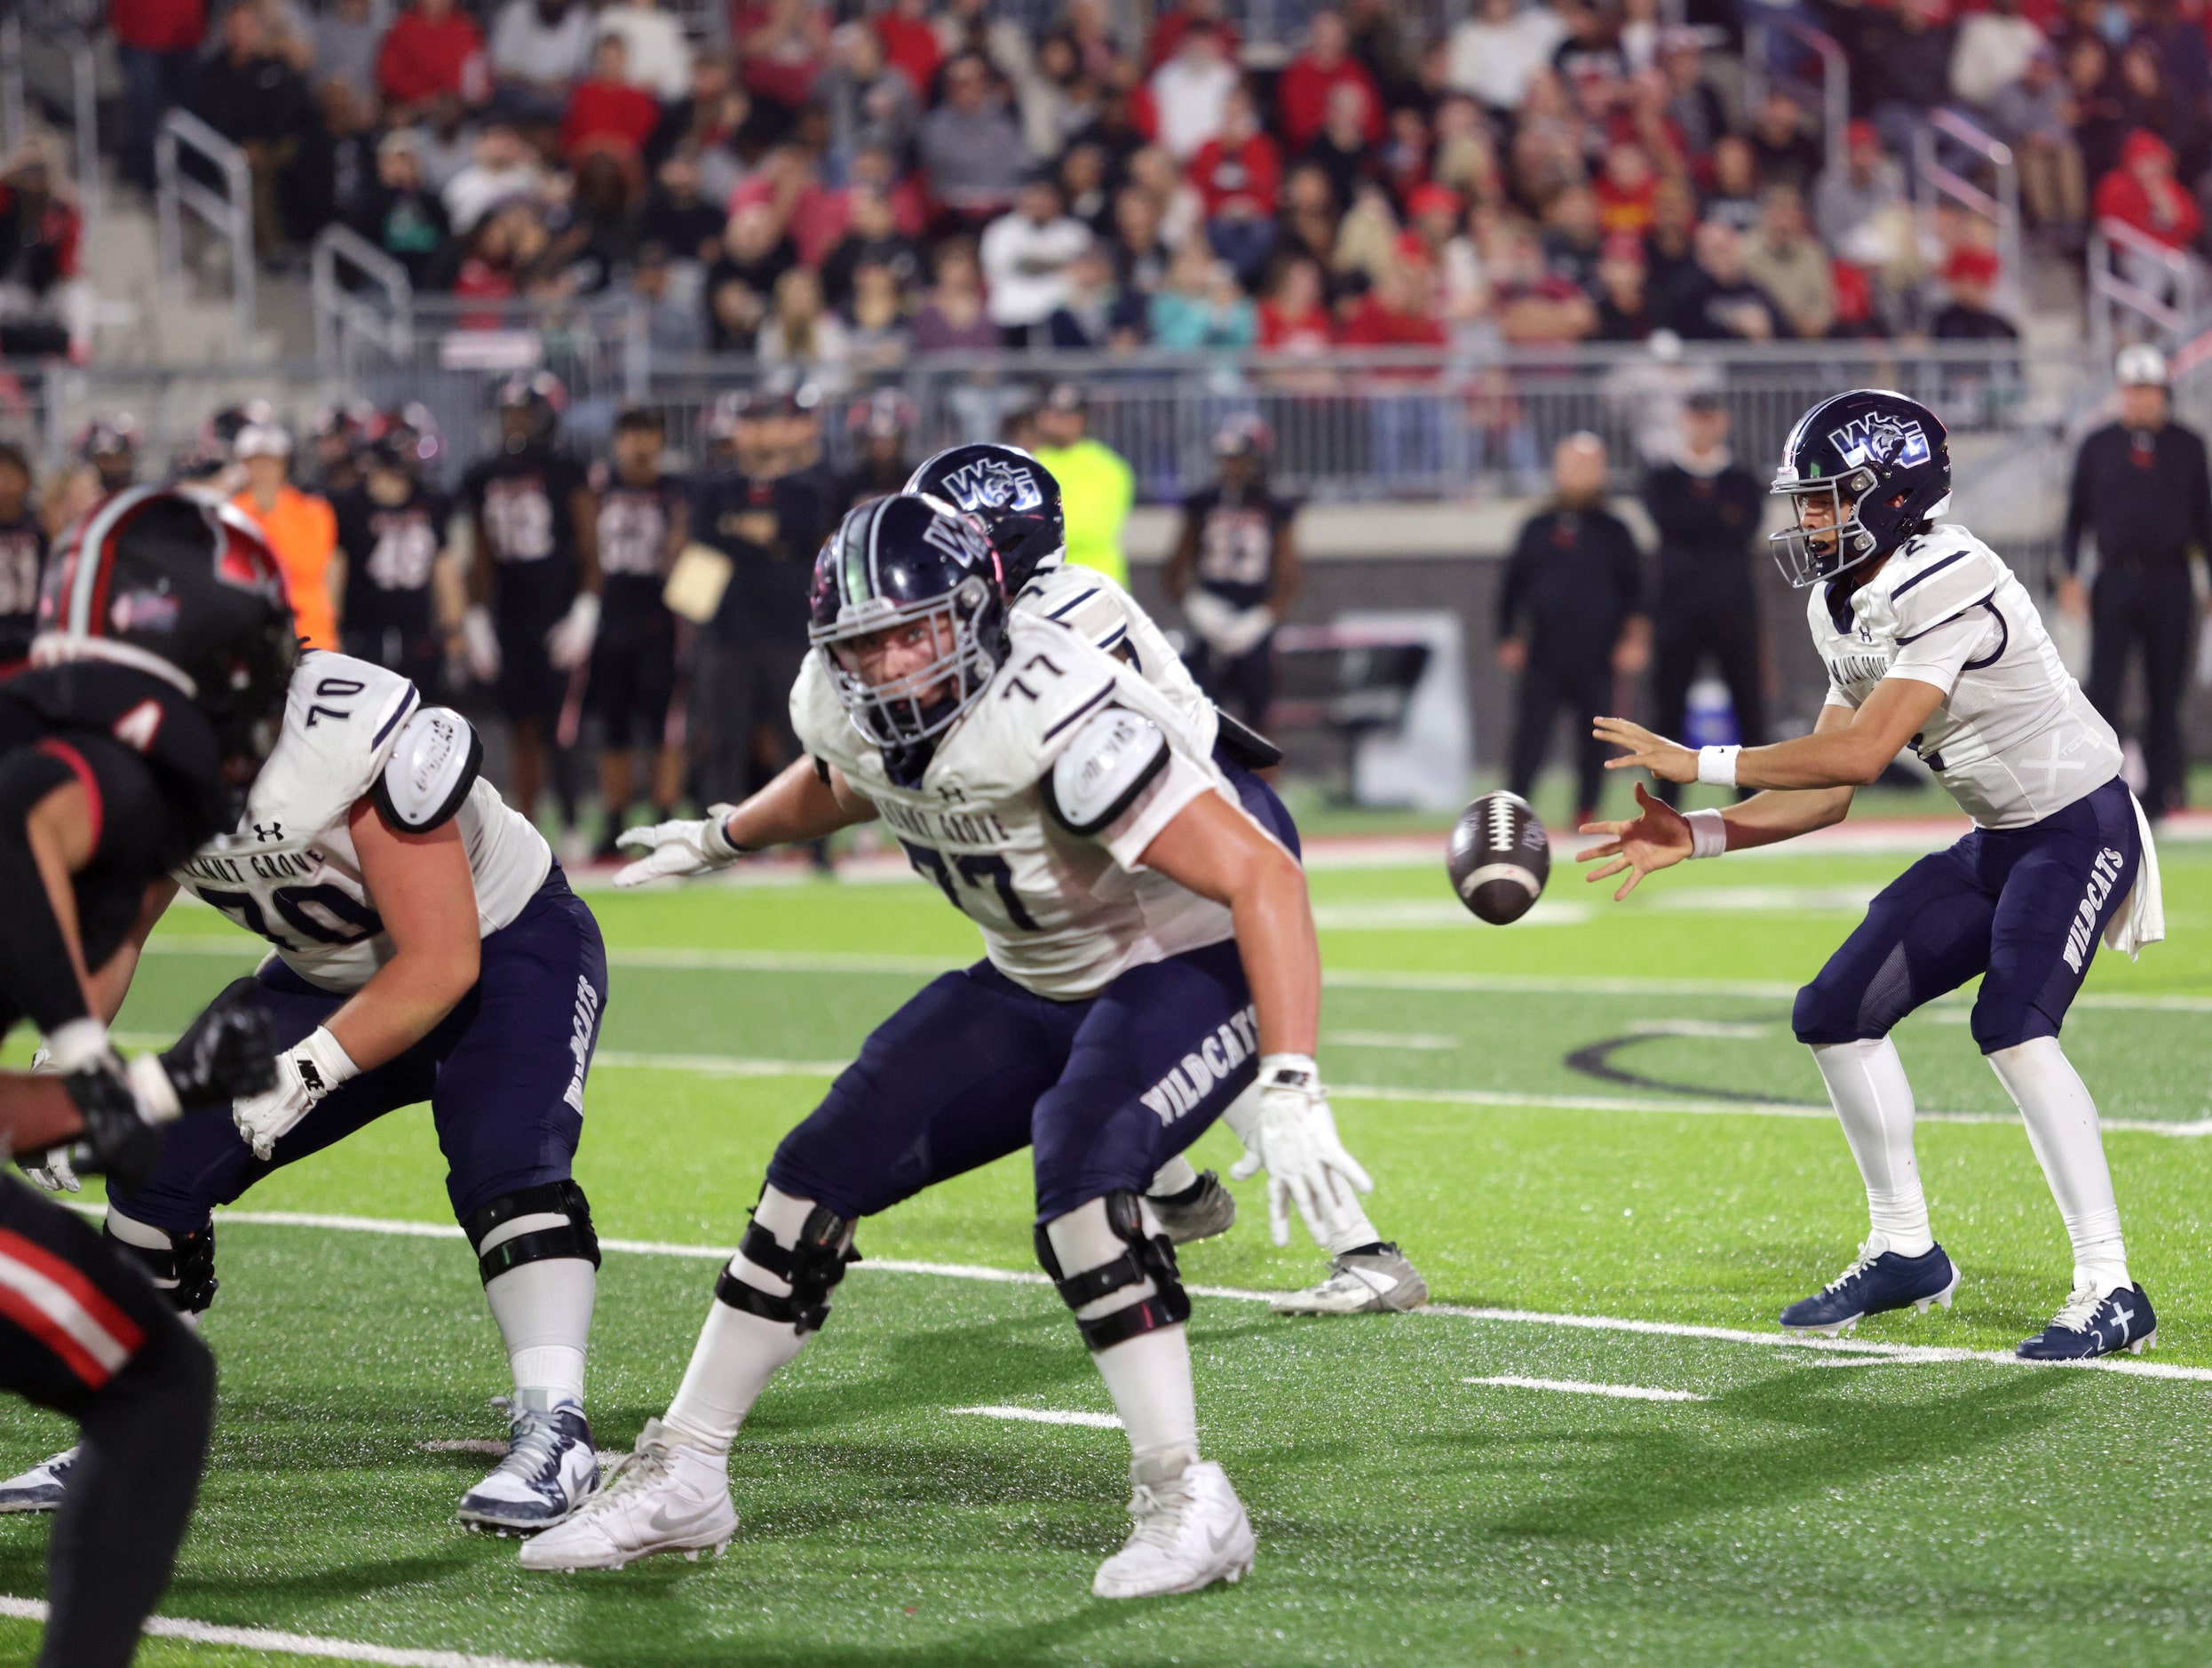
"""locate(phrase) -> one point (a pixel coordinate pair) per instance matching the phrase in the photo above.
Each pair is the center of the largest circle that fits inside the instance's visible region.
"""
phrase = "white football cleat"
(39, 1488)
(1191, 1532)
(549, 1470)
(665, 1496)
(1377, 1280)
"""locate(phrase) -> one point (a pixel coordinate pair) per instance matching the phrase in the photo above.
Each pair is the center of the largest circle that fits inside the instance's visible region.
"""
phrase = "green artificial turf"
(1815, 1507)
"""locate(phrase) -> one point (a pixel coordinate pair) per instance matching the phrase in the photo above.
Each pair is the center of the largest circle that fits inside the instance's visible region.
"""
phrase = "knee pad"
(811, 1267)
(182, 1271)
(555, 1220)
(1148, 1257)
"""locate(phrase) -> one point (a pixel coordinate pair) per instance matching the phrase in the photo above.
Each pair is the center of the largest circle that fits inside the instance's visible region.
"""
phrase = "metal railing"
(228, 212)
(2138, 285)
(1935, 180)
(342, 265)
(1832, 97)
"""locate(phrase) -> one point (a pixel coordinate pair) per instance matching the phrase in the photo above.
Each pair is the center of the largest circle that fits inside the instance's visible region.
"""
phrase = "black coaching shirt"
(1573, 581)
(1707, 524)
(2147, 495)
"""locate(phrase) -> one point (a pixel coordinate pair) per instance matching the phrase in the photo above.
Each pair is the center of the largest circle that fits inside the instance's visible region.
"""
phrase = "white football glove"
(479, 644)
(1229, 630)
(678, 850)
(1295, 1139)
(568, 645)
(305, 1072)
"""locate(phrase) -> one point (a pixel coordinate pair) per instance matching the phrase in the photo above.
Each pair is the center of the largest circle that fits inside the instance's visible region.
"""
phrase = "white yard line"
(1580, 1387)
(2127, 1365)
(289, 1644)
(1047, 1416)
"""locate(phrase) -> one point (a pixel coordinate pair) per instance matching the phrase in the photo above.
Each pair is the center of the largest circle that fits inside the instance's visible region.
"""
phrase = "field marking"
(288, 1644)
(241, 948)
(1582, 1387)
(1430, 1042)
(1777, 1340)
(1046, 1415)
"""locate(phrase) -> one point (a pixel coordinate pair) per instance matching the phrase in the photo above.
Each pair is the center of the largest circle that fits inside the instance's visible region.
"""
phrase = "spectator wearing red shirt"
(157, 43)
(432, 49)
(1169, 27)
(1628, 190)
(2143, 193)
(604, 105)
(1301, 95)
(782, 46)
(1407, 426)
(1238, 174)
(1294, 318)
(909, 42)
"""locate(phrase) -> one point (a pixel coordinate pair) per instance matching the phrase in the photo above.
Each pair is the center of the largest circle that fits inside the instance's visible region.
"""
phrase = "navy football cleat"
(2092, 1324)
(1873, 1285)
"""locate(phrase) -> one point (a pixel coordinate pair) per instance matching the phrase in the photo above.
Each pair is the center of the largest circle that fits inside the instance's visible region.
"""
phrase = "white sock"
(1867, 1084)
(1357, 1230)
(1148, 1376)
(2062, 1127)
(1174, 1177)
(738, 1352)
(544, 1315)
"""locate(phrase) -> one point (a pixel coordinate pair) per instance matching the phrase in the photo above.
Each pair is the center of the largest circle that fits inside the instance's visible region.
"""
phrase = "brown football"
(1499, 858)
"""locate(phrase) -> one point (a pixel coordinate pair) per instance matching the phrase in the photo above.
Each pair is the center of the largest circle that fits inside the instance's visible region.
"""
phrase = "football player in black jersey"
(534, 586)
(403, 594)
(643, 515)
(22, 558)
(111, 446)
(1234, 571)
(157, 690)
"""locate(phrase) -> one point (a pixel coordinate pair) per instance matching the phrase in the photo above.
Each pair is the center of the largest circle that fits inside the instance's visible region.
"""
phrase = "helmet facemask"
(1808, 554)
(918, 705)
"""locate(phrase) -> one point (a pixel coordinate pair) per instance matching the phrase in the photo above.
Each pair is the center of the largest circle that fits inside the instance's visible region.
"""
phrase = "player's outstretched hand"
(1669, 761)
(1296, 1138)
(1657, 838)
(676, 851)
(226, 1054)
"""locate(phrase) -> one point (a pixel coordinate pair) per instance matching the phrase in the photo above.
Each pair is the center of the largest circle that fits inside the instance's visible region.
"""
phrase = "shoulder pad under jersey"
(432, 766)
(1113, 756)
(1937, 578)
(342, 717)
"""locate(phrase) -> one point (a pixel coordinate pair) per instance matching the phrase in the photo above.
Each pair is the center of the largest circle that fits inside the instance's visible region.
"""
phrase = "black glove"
(226, 1052)
(118, 1140)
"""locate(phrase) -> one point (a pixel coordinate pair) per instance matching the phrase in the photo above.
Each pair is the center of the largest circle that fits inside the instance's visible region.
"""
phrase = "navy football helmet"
(903, 560)
(1012, 495)
(1881, 464)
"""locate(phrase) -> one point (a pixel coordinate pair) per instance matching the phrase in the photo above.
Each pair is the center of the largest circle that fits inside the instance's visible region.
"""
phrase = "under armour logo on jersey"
(1880, 439)
(992, 483)
(268, 833)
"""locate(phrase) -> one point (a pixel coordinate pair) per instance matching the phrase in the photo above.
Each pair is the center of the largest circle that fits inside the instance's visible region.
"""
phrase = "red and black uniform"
(23, 566)
(1236, 562)
(391, 550)
(523, 501)
(633, 661)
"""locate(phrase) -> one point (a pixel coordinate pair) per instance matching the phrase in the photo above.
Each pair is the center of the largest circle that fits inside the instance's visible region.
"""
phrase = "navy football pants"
(1104, 1090)
(2021, 907)
(504, 1074)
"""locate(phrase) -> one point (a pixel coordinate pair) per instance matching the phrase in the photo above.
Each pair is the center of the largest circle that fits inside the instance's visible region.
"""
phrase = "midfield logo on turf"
(1192, 1079)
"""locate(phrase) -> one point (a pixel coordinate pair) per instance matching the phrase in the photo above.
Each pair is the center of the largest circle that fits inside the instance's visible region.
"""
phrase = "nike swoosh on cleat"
(1220, 1543)
(660, 1524)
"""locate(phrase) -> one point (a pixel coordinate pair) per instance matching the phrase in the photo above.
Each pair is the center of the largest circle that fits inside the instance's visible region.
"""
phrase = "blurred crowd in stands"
(843, 187)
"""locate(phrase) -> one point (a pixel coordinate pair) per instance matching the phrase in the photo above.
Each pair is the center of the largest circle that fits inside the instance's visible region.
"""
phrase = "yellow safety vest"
(1096, 489)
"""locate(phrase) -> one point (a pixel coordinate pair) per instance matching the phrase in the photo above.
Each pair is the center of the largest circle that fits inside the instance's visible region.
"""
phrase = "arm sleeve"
(1938, 656)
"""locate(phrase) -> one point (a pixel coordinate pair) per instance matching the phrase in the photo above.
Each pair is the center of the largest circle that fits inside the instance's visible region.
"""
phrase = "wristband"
(78, 1045)
(715, 845)
(1289, 1071)
(1717, 766)
(1708, 834)
(322, 1061)
(156, 1094)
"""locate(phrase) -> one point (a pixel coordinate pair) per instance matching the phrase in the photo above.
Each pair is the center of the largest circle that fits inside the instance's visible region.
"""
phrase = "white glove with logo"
(1230, 631)
(678, 850)
(1295, 1140)
(568, 645)
(305, 1072)
(479, 644)
(53, 1172)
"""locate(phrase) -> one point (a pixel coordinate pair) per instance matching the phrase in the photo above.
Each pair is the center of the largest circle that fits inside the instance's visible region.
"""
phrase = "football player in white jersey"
(1150, 954)
(1019, 502)
(1931, 643)
(427, 947)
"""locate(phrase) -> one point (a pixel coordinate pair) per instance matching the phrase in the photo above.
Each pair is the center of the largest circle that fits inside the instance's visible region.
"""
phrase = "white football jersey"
(290, 873)
(1103, 615)
(1063, 913)
(2015, 739)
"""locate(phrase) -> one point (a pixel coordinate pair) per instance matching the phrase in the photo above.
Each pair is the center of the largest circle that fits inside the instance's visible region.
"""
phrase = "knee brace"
(530, 1225)
(182, 1270)
(811, 1267)
(1149, 1256)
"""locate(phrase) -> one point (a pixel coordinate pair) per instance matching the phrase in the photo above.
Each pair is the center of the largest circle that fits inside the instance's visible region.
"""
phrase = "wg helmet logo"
(992, 483)
(1892, 442)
